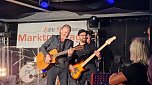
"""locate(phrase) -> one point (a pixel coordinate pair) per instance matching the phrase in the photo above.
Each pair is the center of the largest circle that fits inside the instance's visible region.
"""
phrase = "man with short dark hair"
(83, 54)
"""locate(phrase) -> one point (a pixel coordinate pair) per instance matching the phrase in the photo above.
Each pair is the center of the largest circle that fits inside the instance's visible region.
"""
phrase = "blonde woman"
(136, 73)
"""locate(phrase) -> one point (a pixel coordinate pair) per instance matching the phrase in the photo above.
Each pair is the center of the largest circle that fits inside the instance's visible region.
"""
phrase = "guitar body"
(78, 70)
(40, 62)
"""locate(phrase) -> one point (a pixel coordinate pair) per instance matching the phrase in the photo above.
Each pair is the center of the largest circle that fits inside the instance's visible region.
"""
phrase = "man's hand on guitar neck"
(48, 58)
(97, 53)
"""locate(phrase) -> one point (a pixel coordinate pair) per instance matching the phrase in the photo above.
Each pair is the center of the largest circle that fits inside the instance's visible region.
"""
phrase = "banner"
(33, 35)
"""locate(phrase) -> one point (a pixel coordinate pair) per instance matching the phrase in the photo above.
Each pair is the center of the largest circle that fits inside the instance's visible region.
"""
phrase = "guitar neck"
(88, 59)
(61, 53)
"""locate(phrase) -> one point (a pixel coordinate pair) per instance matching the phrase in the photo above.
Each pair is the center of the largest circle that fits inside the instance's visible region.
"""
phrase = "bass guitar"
(40, 62)
(75, 74)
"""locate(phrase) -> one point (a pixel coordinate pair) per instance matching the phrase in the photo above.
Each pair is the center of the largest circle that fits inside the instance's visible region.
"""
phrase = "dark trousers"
(72, 81)
(86, 75)
(52, 73)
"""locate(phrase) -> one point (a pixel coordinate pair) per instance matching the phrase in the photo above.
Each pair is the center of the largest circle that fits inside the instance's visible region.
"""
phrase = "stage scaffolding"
(17, 61)
(4, 53)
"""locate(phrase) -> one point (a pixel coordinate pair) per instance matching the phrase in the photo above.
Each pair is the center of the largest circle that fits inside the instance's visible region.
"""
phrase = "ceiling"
(10, 9)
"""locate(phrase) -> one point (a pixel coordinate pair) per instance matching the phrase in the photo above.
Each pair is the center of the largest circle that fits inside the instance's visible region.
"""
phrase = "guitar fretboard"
(61, 53)
(88, 59)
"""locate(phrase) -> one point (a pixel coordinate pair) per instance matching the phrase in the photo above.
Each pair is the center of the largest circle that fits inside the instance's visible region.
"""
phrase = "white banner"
(33, 35)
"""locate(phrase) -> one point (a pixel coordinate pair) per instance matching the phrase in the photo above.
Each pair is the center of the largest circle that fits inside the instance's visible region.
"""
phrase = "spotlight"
(44, 3)
(111, 2)
(93, 23)
(2, 72)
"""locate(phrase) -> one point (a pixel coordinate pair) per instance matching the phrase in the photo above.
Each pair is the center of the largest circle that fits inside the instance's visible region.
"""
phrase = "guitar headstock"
(110, 40)
(78, 47)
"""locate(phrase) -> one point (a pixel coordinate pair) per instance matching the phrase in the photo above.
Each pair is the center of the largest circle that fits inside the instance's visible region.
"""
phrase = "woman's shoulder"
(139, 66)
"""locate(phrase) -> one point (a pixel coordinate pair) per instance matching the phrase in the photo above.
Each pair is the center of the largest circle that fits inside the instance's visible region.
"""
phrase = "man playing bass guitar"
(80, 55)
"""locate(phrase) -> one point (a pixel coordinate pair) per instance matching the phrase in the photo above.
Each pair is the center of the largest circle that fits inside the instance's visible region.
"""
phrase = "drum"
(28, 73)
(30, 63)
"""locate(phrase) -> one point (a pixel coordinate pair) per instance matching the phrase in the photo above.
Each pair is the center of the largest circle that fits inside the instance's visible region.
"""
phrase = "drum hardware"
(34, 55)
(15, 51)
(17, 61)
(28, 73)
(31, 76)
(30, 63)
(26, 49)
(22, 58)
(43, 75)
(12, 53)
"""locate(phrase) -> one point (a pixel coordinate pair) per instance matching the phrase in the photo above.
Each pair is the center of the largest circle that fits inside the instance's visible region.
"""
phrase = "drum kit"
(29, 73)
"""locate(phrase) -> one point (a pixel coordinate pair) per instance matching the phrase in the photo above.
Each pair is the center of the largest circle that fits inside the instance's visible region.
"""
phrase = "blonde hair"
(139, 50)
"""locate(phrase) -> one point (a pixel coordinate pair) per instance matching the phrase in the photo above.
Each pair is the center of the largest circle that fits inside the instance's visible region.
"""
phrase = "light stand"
(96, 39)
(94, 24)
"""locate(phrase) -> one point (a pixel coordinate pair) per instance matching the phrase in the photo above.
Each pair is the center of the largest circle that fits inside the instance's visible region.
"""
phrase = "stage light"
(93, 23)
(44, 3)
(111, 2)
(3, 69)
(2, 72)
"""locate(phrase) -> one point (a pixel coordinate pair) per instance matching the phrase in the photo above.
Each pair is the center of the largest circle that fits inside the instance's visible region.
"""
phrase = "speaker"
(100, 79)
